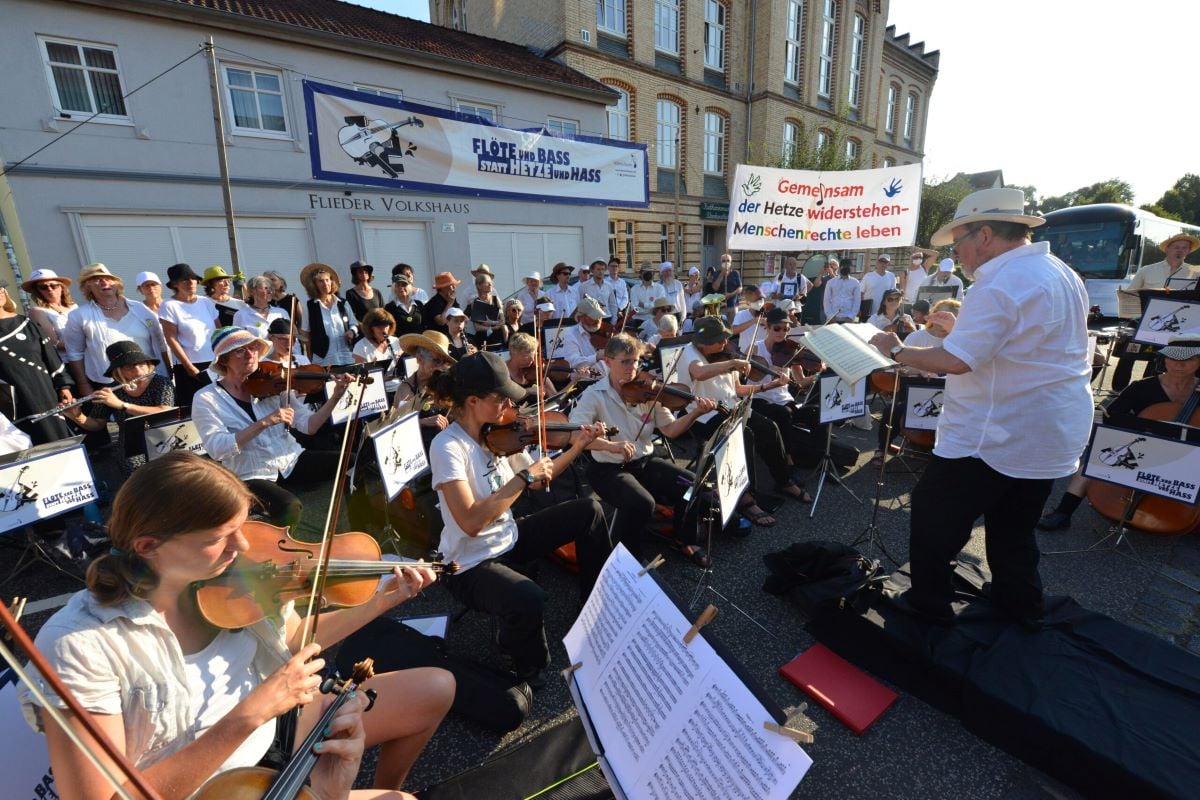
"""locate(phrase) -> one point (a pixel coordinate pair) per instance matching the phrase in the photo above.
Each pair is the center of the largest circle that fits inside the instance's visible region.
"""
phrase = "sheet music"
(1129, 304)
(844, 348)
(654, 702)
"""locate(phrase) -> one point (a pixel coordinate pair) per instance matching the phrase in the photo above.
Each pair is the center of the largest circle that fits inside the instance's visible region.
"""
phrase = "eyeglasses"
(502, 399)
(954, 244)
(781, 328)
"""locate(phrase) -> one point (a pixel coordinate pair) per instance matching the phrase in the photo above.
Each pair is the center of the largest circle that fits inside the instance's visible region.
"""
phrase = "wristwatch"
(527, 476)
(895, 351)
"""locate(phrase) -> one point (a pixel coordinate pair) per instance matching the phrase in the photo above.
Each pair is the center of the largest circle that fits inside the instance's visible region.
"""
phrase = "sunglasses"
(781, 328)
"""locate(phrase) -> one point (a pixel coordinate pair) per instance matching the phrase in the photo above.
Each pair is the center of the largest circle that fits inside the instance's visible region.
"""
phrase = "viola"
(1151, 513)
(277, 569)
(514, 432)
(271, 377)
(648, 388)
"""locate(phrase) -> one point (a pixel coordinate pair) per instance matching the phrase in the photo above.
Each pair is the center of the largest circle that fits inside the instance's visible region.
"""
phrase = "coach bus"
(1107, 243)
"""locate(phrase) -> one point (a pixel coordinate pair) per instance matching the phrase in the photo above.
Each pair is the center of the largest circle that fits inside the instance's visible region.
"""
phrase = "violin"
(271, 377)
(514, 432)
(277, 568)
(1151, 513)
(648, 388)
(558, 371)
(790, 352)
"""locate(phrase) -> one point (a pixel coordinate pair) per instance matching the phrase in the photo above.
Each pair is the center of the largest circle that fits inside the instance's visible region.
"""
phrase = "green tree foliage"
(1159, 211)
(1182, 201)
(939, 200)
(1113, 190)
(1031, 198)
(806, 154)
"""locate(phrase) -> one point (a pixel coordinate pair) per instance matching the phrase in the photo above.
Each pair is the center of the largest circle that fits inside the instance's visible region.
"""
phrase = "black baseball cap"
(710, 330)
(777, 315)
(485, 372)
(280, 326)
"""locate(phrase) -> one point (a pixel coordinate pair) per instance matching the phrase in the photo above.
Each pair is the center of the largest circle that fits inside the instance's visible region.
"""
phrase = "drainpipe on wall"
(749, 110)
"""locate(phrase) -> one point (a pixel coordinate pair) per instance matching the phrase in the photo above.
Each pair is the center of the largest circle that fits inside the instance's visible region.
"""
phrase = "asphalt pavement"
(914, 750)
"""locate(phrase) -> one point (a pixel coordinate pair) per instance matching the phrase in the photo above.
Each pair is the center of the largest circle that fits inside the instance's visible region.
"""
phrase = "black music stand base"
(827, 469)
(1119, 533)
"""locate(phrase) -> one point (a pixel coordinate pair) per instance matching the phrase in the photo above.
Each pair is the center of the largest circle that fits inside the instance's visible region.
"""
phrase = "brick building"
(708, 84)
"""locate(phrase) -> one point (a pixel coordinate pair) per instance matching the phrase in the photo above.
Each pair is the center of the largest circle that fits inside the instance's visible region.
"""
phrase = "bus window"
(1093, 249)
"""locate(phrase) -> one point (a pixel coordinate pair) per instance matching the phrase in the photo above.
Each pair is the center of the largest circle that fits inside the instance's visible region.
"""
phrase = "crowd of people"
(631, 363)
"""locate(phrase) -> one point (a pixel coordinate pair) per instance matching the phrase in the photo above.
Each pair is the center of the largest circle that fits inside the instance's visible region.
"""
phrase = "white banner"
(400, 453)
(357, 137)
(45, 485)
(791, 209)
(841, 400)
(181, 435)
(374, 401)
(1147, 463)
(733, 475)
(1165, 320)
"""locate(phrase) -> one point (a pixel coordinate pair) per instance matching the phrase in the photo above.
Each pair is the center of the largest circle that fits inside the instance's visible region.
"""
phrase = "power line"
(65, 134)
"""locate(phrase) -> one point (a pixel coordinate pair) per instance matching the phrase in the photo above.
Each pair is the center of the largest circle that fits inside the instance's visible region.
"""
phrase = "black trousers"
(801, 445)
(186, 385)
(953, 493)
(633, 488)
(762, 437)
(515, 600)
(277, 503)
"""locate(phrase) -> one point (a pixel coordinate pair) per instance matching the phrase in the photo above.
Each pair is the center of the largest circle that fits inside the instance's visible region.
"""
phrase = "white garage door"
(386, 244)
(128, 244)
(512, 251)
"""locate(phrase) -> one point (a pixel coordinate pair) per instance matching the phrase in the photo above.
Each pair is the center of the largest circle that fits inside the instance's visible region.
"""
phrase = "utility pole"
(678, 178)
(219, 126)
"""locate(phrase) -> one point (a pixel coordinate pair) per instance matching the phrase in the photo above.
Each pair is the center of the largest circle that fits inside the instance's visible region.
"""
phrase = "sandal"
(796, 492)
(760, 518)
(696, 554)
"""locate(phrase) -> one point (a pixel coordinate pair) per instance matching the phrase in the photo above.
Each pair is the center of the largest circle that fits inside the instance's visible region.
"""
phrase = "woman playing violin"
(523, 350)
(721, 382)
(1181, 361)
(431, 351)
(888, 317)
(185, 700)
(477, 491)
(625, 472)
(249, 435)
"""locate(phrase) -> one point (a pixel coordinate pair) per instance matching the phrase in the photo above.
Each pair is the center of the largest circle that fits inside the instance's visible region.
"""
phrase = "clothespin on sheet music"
(657, 562)
(706, 616)
(791, 733)
(566, 673)
(16, 608)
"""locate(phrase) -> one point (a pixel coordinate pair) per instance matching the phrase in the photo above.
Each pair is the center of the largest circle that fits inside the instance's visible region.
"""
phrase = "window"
(458, 15)
(910, 116)
(618, 116)
(889, 119)
(795, 41)
(256, 100)
(791, 142)
(667, 134)
(666, 26)
(714, 35)
(664, 244)
(629, 242)
(610, 16)
(714, 143)
(822, 140)
(470, 109)
(889, 162)
(828, 34)
(857, 42)
(390, 94)
(86, 79)
(851, 150)
(566, 128)
(612, 238)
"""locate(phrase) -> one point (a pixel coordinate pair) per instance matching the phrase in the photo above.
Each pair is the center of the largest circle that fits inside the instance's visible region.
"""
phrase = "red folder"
(843, 689)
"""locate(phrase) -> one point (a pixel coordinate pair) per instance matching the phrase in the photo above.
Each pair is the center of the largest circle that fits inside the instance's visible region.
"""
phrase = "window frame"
(618, 11)
(858, 44)
(793, 64)
(828, 43)
(910, 115)
(259, 133)
(56, 97)
(675, 144)
(791, 144)
(856, 146)
(720, 25)
(888, 162)
(893, 104)
(823, 140)
(716, 139)
(380, 91)
(562, 123)
(664, 243)
(461, 102)
(614, 111)
(668, 7)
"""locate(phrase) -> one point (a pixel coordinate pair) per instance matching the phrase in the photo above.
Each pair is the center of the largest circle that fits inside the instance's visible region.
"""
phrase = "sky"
(1059, 94)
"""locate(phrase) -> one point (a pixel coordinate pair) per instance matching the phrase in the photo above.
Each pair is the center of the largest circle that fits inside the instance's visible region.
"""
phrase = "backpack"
(822, 574)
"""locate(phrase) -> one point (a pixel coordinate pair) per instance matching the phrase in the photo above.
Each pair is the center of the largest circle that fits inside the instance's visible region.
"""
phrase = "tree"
(1182, 201)
(1031, 198)
(1113, 190)
(939, 201)
(807, 152)
(1159, 211)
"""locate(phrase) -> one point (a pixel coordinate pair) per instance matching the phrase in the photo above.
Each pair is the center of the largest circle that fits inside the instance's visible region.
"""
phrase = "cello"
(1146, 512)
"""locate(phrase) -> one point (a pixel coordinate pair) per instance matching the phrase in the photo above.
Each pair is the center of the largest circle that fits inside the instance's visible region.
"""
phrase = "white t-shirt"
(921, 337)
(874, 285)
(913, 281)
(194, 325)
(248, 317)
(455, 456)
(219, 677)
(758, 332)
(1025, 408)
(780, 395)
(367, 351)
(722, 388)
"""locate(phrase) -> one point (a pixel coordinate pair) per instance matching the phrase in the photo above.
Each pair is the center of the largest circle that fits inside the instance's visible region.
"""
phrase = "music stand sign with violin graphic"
(1143, 461)
(923, 405)
(163, 439)
(400, 453)
(374, 400)
(1165, 319)
(733, 474)
(841, 400)
(44, 482)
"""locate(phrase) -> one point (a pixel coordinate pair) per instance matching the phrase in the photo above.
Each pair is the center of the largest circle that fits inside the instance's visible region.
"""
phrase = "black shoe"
(902, 603)
(1054, 521)
(531, 677)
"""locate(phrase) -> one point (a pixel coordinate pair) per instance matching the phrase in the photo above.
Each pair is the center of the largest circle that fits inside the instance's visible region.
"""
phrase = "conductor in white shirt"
(1017, 413)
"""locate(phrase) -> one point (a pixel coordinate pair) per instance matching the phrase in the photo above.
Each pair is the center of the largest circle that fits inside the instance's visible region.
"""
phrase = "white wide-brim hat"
(987, 205)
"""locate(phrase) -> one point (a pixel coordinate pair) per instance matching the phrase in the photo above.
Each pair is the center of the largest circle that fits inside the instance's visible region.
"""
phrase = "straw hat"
(664, 304)
(43, 276)
(1192, 241)
(1181, 348)
(987, 205)
(436, 341)
(95, 270)
(306, 277)
(444, 280)
(483, 269)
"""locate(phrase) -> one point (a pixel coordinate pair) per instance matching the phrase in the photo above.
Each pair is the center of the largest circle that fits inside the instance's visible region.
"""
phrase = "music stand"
(827, 416)
(871, 535)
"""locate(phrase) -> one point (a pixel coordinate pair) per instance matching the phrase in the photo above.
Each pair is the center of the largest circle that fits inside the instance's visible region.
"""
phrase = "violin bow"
(21, 638)
(287, 385)
(321, 571)
(540, 395)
